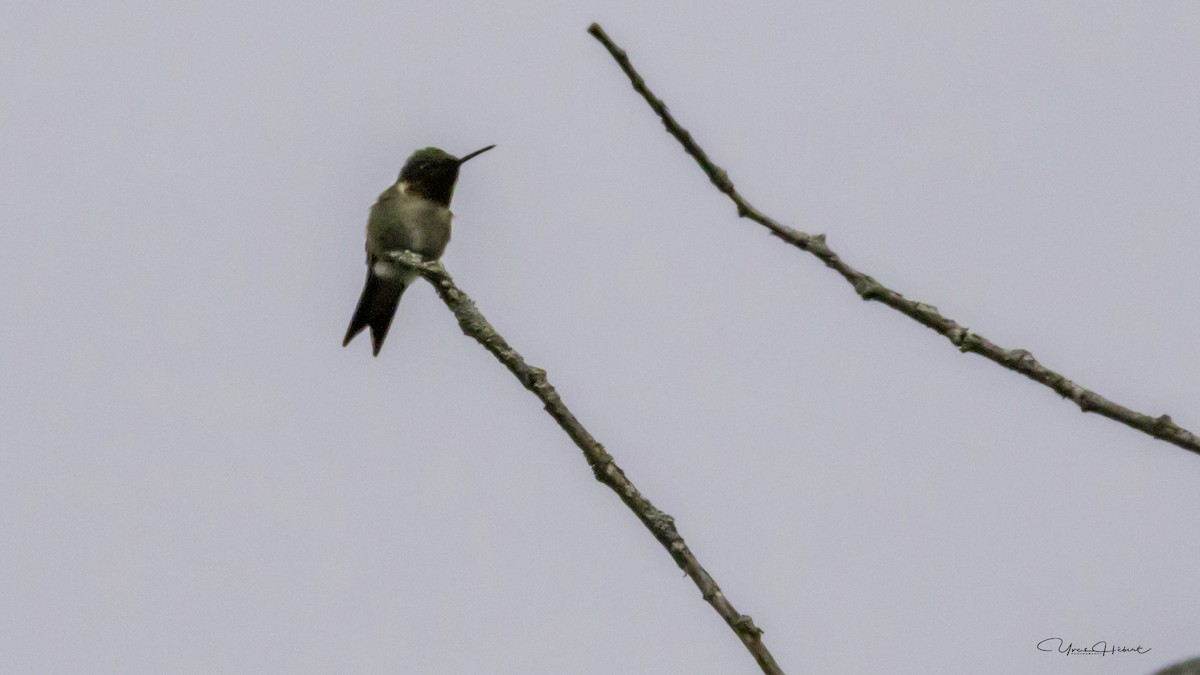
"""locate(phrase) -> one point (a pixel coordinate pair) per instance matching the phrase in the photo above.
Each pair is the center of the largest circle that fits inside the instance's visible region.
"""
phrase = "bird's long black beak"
(477, 152)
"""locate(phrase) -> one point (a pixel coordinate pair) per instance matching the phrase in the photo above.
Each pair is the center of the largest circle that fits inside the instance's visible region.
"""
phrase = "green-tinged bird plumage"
(411, 215)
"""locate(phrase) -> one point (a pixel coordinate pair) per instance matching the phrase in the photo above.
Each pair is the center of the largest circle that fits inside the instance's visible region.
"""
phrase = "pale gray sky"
(196, 478)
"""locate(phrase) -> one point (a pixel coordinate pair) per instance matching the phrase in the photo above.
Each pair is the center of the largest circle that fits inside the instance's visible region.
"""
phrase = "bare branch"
(661, 525)
(1018, 360)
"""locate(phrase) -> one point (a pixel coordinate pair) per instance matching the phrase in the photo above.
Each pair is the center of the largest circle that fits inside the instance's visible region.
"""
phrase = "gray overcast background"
(196, 478)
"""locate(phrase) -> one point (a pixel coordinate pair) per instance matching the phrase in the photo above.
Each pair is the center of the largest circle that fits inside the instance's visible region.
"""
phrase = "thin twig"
(1018, 360)
(661, 525)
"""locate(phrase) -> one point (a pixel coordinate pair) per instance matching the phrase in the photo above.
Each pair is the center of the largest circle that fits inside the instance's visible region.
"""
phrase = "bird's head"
(431, 173)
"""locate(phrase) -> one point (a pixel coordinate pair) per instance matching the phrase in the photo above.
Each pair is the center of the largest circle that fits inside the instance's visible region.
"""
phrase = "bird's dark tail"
(376, 308)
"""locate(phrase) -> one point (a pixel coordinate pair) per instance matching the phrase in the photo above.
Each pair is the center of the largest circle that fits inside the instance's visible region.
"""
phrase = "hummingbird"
(411, 215)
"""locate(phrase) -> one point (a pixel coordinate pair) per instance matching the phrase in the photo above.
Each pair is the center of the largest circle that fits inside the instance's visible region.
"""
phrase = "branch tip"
(872, 290)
